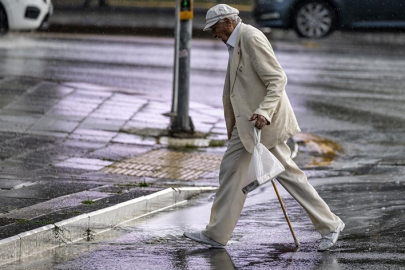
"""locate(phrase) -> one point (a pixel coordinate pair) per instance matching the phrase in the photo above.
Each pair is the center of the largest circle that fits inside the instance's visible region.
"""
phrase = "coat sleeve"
(270, 73)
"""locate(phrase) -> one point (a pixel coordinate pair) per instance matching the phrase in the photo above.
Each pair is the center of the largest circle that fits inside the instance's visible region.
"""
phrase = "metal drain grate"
(167, 164)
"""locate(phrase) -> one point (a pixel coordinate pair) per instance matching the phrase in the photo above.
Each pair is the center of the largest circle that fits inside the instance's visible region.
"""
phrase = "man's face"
(222, 30)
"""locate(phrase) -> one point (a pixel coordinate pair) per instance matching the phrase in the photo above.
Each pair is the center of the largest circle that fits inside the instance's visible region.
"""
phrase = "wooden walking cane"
(285, 212)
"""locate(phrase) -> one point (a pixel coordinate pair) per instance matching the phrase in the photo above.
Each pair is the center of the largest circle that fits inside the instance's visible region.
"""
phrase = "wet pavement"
(373, 238)
(56, 138)
(66, 114)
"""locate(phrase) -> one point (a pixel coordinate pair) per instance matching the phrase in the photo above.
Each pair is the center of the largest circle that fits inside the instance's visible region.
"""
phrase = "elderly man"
(254, 90)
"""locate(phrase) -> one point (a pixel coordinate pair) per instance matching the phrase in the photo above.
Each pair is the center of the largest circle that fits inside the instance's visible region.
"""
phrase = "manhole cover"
(168, 164)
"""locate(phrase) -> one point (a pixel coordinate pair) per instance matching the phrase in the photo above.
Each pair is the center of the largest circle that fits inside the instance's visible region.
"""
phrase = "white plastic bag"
(263, 167)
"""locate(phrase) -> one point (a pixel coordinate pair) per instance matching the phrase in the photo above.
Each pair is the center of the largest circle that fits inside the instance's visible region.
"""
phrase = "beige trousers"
(229, 199)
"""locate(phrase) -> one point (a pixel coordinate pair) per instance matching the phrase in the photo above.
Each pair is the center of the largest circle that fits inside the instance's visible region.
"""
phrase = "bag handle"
(257, 135)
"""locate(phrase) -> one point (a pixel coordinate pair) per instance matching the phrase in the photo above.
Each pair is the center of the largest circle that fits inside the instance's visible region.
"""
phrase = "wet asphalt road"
(351, 94)
(373, 238)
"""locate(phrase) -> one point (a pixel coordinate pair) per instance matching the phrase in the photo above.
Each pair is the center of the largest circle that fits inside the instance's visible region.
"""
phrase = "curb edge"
(88, 225)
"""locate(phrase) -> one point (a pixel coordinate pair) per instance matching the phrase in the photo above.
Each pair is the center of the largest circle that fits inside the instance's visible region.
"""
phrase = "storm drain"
(167, 164)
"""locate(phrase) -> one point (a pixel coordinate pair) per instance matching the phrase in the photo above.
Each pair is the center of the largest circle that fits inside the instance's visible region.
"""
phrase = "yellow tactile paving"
(167, 164)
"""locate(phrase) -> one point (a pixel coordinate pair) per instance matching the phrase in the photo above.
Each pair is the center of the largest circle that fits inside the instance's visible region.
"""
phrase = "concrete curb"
(86, 226)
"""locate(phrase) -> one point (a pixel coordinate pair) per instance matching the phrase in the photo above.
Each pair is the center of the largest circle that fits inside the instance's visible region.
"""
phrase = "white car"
(24, 14)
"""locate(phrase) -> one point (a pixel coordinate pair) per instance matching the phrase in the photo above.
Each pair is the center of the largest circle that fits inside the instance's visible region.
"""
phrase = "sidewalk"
(57, 141)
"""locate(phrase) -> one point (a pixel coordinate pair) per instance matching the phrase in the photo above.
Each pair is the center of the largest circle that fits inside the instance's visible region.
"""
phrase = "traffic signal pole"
(181, 122)
(176, 60)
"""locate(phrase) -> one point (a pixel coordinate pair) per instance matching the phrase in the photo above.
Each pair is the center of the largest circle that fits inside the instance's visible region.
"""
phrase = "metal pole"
(182, 122)
(285, 213)
(176, 59)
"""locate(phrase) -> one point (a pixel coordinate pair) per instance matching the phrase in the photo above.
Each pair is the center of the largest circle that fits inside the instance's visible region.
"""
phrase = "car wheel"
(3, 22)
(314, 19)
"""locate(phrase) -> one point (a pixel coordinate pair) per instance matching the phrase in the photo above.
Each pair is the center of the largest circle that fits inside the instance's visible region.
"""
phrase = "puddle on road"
(325, 150)
(323, 161)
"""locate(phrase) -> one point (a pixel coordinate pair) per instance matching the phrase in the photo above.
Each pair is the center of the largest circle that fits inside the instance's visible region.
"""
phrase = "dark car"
(318, 18)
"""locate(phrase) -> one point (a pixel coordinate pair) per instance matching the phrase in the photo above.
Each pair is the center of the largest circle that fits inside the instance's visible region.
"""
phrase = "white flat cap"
(217, 13)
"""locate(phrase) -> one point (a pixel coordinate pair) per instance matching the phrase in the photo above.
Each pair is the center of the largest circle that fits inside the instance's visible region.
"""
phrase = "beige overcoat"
(255, 83)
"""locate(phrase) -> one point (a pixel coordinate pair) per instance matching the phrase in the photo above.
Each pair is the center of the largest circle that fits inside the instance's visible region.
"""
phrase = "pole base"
(181, 125)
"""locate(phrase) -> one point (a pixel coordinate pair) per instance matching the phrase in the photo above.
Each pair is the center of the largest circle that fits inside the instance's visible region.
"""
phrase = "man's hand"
(261, 122)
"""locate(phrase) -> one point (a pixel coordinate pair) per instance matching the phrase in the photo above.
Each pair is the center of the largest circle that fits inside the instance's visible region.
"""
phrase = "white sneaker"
(330, 239)
(200, 237)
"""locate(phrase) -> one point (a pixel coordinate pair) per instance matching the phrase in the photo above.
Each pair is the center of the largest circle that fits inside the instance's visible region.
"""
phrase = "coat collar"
(236, 57)
(232, 39)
